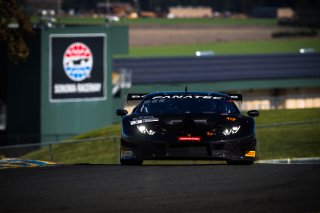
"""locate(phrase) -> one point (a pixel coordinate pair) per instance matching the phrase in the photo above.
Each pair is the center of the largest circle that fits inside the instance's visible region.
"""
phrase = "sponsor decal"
(141, 120)
(189, 139)
(136, 96)
(236, 97)
(187, 97)
(77, 66)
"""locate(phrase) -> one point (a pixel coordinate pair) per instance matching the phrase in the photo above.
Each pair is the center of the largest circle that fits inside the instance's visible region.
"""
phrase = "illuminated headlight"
(143, 129)
(232, 130)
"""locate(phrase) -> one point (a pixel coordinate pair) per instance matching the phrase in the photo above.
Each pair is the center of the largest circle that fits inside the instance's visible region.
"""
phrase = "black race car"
(187, 125)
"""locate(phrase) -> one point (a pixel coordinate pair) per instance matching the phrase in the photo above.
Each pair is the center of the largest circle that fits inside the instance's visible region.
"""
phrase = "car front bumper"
(235, 149)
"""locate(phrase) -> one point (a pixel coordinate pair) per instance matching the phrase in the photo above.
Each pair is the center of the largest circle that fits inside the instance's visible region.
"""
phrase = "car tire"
(240, 162)
(127, 162)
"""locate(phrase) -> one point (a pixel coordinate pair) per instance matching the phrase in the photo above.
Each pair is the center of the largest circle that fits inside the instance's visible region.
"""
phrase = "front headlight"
(231, 131)
(143, 129)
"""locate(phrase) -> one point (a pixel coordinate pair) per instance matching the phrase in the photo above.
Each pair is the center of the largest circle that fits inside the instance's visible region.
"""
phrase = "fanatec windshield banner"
(77, 67)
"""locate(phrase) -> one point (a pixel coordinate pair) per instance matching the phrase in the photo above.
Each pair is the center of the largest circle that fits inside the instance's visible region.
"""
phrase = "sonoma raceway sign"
(77, 63)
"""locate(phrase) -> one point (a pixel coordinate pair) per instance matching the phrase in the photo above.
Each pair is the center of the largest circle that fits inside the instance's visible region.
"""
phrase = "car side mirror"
(121, 112)
(253, 113)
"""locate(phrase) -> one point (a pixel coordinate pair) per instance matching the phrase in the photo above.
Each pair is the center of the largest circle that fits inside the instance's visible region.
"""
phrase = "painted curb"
(6, 163)
(315, 160)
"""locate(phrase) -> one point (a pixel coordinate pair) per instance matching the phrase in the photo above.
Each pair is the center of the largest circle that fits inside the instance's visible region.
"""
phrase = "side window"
(228, 108)
(134, 109)
(145, 107)
(232, 109)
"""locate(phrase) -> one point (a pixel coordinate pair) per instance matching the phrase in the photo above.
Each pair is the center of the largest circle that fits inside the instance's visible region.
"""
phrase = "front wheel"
(240, 162)
(130, 162)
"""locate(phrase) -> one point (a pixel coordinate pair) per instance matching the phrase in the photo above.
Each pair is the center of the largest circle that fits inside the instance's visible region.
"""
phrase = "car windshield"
(192, 105)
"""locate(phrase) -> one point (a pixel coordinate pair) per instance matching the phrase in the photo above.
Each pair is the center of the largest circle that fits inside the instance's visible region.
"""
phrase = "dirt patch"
(162, 35)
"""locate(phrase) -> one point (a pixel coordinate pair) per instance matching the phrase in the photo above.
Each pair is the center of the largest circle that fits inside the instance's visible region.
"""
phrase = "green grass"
(228, 48)
(290, 115)
(79, 20)
(74, 20)
(100, 151)
(200, 21)
(273, 142)
(288, 141)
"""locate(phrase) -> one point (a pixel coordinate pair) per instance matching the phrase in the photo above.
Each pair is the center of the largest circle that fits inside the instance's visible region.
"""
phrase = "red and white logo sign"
(78, 61)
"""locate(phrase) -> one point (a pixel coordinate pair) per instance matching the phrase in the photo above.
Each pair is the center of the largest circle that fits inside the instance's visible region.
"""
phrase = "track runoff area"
(261, 187)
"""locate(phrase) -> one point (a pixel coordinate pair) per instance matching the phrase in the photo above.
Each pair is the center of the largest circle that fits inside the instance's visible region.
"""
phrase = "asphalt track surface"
(166, 188)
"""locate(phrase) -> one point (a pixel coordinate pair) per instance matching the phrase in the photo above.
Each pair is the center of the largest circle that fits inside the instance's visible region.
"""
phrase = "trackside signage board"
(77, 64)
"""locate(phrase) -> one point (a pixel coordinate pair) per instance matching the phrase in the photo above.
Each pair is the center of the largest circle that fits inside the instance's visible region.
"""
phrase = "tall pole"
(108, 7)
(58, 7)
(136, 4)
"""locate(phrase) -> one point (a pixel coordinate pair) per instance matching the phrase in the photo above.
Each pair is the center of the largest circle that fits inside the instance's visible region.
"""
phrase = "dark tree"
(11, 12)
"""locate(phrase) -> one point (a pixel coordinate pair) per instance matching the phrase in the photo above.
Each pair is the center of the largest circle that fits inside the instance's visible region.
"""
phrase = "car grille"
(190, 151)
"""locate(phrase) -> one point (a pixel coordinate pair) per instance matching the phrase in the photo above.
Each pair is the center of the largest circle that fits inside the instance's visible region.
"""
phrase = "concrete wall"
(286, 98)
(190, 12)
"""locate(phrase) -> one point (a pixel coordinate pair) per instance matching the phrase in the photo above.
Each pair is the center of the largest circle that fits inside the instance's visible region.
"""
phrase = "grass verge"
(228, 48)
(80, 20)
(289, 141)
(200, 21)
(273, 142)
